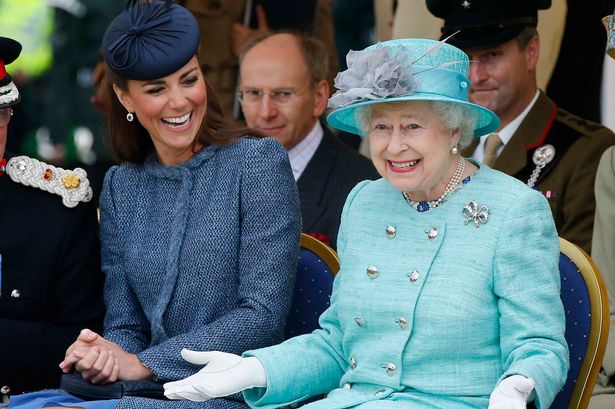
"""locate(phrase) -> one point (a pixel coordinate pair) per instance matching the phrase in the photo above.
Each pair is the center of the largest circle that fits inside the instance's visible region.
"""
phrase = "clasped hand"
(223, 375)
(101, 361)
(512, 393)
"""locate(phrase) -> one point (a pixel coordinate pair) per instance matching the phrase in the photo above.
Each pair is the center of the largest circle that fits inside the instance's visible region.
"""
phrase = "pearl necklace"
(450, 187)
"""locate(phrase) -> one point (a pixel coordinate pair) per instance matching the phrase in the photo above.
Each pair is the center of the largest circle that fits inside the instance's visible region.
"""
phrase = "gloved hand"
(511, 393)
(224, 374)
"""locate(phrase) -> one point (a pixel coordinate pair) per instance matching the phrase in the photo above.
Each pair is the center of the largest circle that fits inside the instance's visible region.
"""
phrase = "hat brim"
(344, 118)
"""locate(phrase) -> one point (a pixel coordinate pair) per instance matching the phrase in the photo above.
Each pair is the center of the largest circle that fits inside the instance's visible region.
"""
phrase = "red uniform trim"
(541, 141)
(2, 69)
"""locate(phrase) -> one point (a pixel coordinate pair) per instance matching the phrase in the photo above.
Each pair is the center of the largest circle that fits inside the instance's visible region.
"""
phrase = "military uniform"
(51, 283)
(50, 276)
(567, 180)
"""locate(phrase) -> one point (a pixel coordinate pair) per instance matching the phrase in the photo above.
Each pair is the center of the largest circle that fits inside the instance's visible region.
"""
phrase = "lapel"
(530, 134)
(314, 180)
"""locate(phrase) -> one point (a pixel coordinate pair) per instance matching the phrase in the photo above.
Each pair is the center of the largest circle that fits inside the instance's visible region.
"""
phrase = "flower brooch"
(479, 214)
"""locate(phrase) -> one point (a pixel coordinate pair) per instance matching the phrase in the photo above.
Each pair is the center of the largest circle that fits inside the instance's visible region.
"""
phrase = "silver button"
(15, 293)
(379, 393)
(5, 390)
(353, 362)
(372, 272)
(402, 322)
(347, 386)
(390, 368)
(390, 230)
(360, 321)
(414, 276)
(432, 233)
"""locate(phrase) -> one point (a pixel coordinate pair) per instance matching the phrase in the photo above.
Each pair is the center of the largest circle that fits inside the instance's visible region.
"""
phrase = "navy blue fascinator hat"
(150, 40)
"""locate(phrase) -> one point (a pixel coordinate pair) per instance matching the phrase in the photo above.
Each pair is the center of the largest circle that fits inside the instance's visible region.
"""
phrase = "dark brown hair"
(525, 36)
(130, 141)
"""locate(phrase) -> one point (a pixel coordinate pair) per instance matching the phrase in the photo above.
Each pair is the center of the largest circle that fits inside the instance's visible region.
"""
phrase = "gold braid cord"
(72, 185)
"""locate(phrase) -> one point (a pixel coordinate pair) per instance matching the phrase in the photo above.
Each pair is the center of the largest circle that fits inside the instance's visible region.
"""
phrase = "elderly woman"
(448, 292)
(199, 226)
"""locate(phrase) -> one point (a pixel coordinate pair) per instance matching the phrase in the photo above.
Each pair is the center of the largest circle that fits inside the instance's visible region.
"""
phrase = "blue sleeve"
(124, 320)
(527, 284)
(268, 255)
(309, 364)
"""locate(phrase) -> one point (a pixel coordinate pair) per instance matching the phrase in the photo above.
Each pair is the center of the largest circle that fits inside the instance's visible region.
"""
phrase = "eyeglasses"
(5, 116)
(279, 96)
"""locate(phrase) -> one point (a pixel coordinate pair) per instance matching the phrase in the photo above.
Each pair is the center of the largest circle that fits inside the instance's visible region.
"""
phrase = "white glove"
(224, 374)
(512, 393)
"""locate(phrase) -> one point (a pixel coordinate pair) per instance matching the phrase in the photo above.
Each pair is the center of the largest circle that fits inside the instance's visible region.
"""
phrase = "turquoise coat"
(443, 319)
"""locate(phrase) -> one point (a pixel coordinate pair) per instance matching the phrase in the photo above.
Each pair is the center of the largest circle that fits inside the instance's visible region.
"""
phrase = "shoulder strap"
(72, 185)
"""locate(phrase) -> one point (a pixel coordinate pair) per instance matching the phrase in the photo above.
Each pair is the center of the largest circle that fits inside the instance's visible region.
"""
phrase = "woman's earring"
(455, 150)
(130, 117)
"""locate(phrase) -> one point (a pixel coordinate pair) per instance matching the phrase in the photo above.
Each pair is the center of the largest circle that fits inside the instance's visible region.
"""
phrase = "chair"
(584, 296)
(318, 264)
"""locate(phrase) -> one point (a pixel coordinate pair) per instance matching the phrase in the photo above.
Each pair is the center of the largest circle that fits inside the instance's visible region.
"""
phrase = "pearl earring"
(454, 150)
(130, 117)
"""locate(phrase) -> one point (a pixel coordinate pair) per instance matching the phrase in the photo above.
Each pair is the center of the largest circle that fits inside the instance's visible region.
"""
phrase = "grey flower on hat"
(374, 73)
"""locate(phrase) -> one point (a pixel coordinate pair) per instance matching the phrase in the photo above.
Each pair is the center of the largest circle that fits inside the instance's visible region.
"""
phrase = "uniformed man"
(50, 277)
(550, 149)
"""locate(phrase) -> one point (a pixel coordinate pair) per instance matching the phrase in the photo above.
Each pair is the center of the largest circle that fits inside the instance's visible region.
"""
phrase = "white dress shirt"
(301, 154)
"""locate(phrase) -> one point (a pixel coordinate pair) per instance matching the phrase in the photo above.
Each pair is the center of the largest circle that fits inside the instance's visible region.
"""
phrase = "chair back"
(318, 264)
(584, 296)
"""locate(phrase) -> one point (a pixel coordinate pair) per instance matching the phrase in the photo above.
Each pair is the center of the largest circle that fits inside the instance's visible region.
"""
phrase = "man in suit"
(550, 149)
(283, 92)
(50, 276)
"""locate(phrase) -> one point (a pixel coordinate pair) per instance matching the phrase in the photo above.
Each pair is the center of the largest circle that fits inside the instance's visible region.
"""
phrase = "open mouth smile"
(177, 121)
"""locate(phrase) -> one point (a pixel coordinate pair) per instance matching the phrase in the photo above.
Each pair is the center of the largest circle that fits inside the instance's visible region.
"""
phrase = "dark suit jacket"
(51, 283)
(326, 181)
(568, 180)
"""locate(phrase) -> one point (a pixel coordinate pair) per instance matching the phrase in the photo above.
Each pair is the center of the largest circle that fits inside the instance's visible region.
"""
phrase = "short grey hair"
(451, 114)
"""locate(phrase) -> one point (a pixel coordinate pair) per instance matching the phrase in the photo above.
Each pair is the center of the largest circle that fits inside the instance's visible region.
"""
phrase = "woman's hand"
(102, 361)
(223, 375)
(512, 393)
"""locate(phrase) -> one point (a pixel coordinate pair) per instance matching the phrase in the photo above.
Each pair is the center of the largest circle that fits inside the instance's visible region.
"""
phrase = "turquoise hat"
(404, 70)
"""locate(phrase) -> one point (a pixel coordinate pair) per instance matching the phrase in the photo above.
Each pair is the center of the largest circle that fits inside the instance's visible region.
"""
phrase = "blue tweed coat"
(440, 320)
(201, 255)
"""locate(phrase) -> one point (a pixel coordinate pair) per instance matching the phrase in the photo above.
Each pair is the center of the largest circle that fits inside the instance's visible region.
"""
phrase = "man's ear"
(532, 52)
(321, 97)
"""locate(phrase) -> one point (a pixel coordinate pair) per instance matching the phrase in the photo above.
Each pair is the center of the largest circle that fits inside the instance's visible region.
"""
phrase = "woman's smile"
(178, 122)
(403, 167)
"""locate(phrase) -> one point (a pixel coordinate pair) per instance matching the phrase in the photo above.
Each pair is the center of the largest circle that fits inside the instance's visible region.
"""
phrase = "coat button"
(347, 386)
(390, 230)
(372, 272)
(402, 322)
(432, 233)
(353, 362)
(414, 276)
(390, 368)
(360, 321)
(15, 293)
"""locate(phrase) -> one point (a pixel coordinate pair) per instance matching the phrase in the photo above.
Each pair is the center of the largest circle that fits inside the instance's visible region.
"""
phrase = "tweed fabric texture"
(201, 255)
(484, 304)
